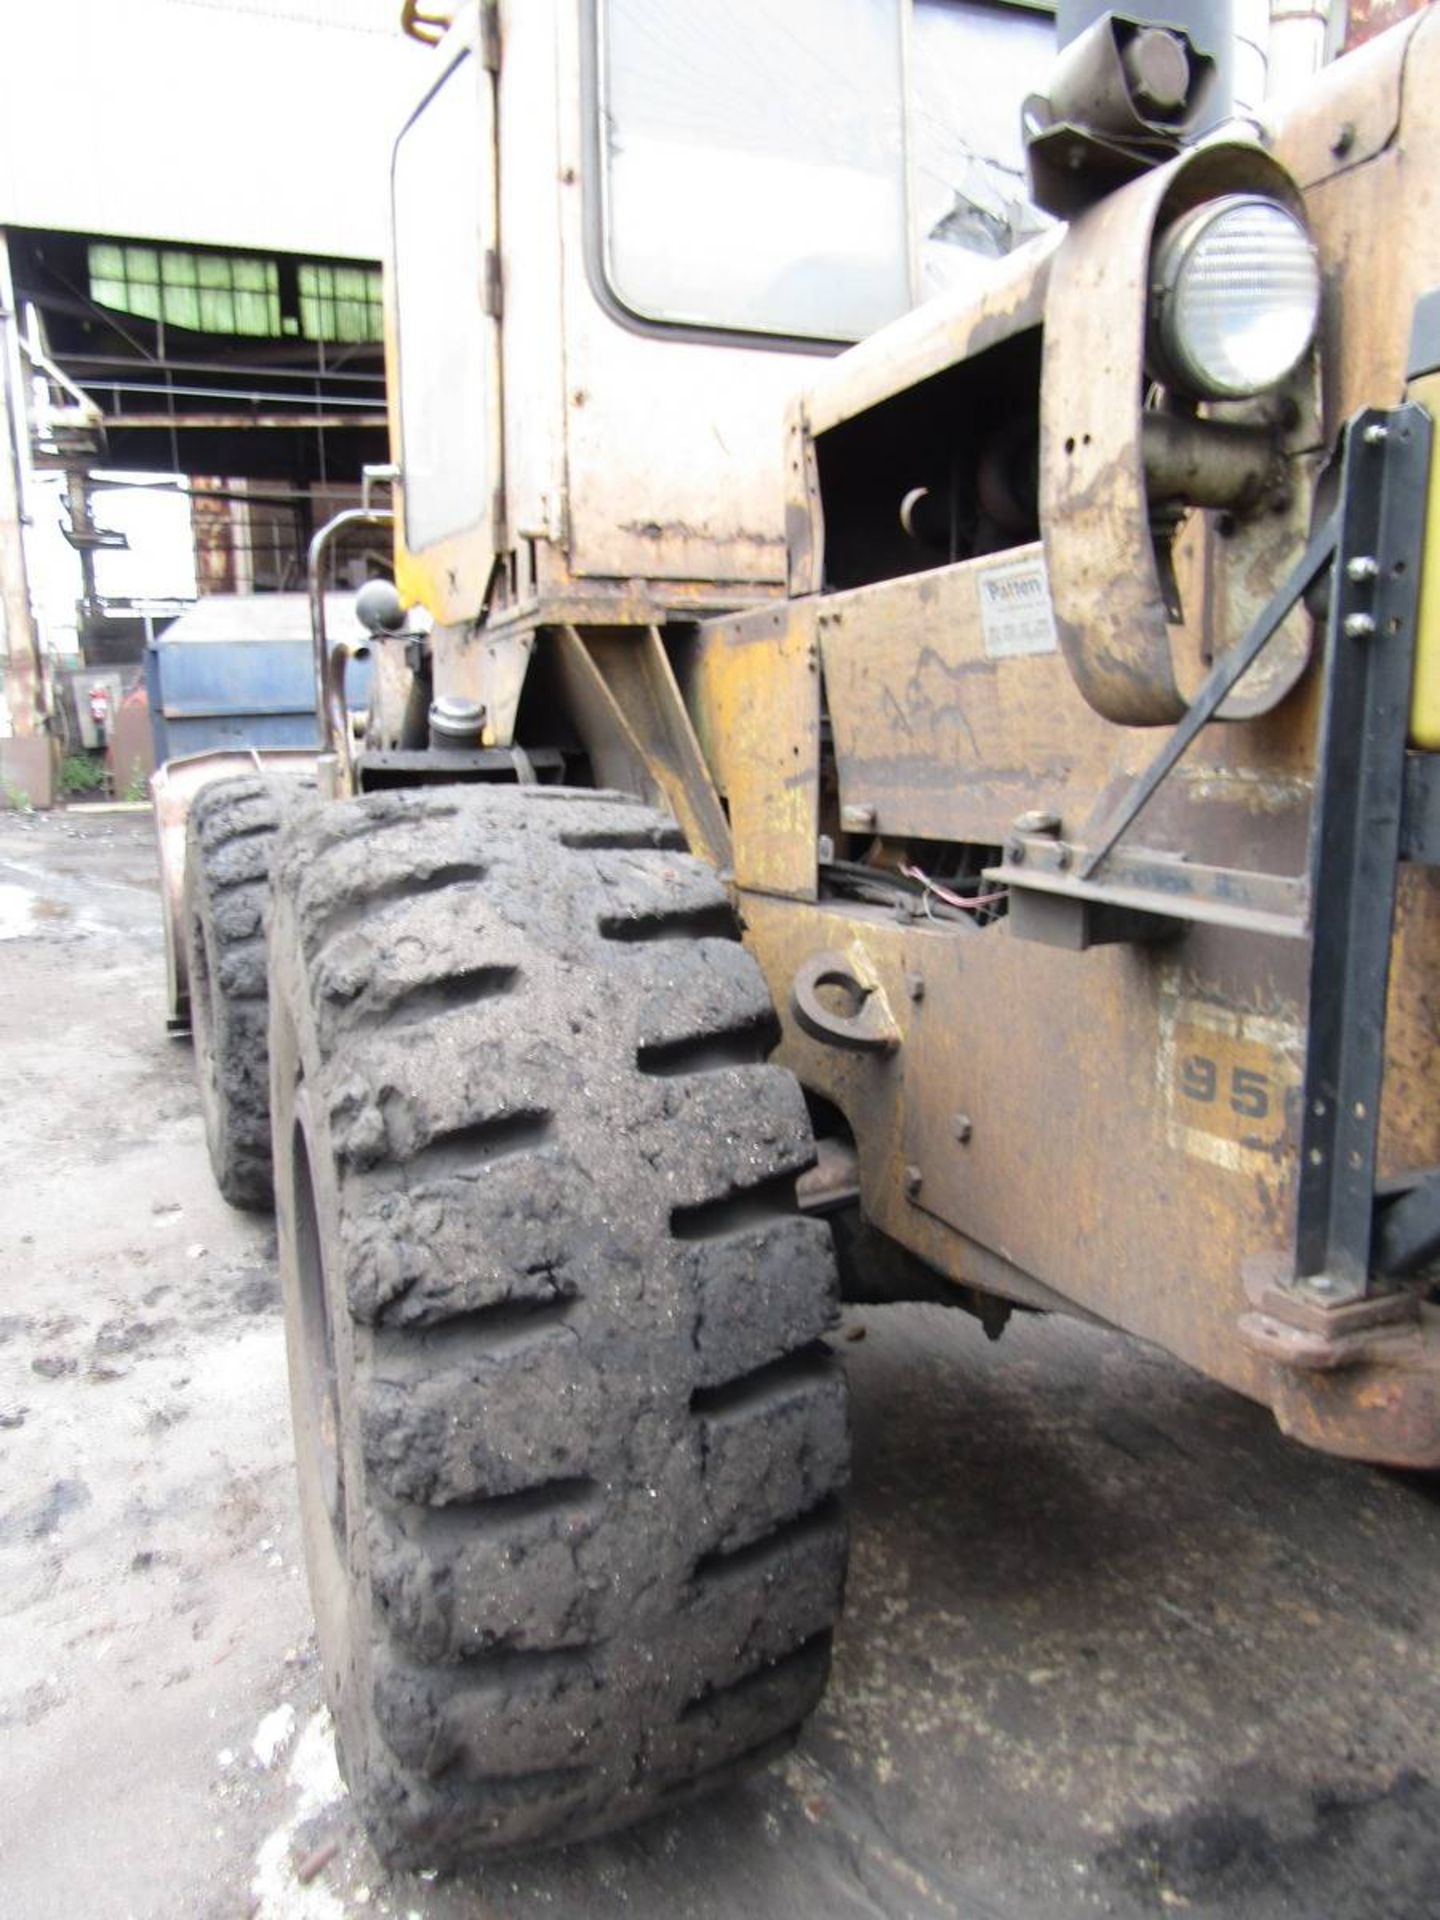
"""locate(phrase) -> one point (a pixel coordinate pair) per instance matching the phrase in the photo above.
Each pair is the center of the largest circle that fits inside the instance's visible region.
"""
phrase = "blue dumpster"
(238, 671)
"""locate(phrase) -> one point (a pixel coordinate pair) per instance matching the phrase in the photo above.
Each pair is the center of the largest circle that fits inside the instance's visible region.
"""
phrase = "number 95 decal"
(1247, 1091)
(1232, 1092)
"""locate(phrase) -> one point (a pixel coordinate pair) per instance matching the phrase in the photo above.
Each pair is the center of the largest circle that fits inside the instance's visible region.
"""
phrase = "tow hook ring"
(868, 1029)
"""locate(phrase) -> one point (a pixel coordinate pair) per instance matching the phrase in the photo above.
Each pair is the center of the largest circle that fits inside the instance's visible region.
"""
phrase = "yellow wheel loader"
(901, 764)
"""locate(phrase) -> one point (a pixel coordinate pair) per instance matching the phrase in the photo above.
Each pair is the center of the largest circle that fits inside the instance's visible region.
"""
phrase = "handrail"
(334, 738)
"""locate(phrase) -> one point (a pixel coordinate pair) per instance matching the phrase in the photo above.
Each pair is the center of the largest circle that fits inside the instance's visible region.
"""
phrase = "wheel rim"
(318, 1370)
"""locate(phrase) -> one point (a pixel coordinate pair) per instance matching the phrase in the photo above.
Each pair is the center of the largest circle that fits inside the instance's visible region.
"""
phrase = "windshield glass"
(760, 171)
(972, 66)
(755, 163)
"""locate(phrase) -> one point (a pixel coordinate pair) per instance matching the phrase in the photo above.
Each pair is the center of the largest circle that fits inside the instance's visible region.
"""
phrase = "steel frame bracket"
(1375, 804)
(1297, 1332)
(1355, 842)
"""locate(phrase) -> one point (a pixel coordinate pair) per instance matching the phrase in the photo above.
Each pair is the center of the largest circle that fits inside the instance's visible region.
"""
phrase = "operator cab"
(656, 212)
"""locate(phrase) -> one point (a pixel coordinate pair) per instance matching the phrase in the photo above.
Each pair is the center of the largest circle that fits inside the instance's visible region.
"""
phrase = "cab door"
(443, 333)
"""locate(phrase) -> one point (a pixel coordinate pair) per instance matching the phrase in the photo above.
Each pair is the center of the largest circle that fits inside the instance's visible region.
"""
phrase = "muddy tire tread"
(598, 1460)
(231, 836)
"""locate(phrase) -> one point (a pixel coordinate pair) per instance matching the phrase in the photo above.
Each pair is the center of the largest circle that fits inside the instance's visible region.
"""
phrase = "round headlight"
(1235, 290)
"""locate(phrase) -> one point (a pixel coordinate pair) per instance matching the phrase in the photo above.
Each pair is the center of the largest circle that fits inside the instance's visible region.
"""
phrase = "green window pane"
(256, 313)
(182, 307)
(211, 292)
(352, 320)
(217, 310)
(340, 303)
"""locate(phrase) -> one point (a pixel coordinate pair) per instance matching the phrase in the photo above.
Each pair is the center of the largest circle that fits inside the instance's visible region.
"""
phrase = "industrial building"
(192, 203)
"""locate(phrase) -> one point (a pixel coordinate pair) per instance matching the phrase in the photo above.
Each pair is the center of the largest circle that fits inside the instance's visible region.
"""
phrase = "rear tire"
(570, 1448)
(230, 838)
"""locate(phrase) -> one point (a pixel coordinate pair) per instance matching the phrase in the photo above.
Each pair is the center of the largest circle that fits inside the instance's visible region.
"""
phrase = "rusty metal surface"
(173, 789)
(939, 736)
(934, 737)
(616, 756)
(950, 327)
(486, 665)
(641, 685)
(1171, 890)
(1378, 235)
(1110, 606)
(1344, 116)
(1385, 1407)
(1375, 222)
(804, 520)
(1082, 1164)
(754, 692)
(865, 1025)
(619, 688)
(1088, 1163)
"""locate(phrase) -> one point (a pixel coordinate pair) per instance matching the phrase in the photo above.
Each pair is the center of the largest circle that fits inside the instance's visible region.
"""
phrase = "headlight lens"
(1235, 298)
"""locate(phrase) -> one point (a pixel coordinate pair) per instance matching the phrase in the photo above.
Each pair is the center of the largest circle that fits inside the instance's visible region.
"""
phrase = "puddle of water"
(17, 911)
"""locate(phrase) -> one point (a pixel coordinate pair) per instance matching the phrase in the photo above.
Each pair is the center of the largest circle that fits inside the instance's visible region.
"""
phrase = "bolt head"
(1359, 626)
(964, 1127)
(1362, 567)
(1376, 434)
(913, 1180)
(858, 818)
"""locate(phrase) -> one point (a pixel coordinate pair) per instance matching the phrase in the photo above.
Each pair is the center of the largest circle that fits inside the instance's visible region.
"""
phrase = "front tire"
(570, 1449)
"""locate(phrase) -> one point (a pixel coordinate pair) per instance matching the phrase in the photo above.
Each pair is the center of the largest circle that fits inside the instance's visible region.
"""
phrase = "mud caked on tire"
(230, 837)
(570, 1447)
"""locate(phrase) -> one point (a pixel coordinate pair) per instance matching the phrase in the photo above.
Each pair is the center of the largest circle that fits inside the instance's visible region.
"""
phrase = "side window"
(440, 203)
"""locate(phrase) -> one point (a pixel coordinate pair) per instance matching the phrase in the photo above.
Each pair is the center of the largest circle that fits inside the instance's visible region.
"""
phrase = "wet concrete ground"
(1113, 1646)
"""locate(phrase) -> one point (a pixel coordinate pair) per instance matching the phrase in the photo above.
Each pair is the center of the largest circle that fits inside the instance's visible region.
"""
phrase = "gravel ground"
(1113, 1646)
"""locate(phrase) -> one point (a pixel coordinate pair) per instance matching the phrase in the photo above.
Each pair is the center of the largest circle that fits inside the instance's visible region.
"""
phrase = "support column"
(27, 763)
